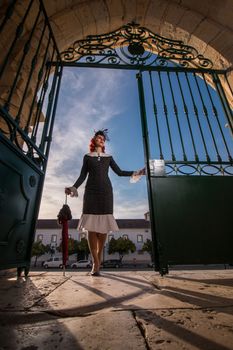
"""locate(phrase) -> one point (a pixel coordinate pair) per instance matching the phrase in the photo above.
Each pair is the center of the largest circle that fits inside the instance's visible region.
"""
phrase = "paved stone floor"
(187, 309)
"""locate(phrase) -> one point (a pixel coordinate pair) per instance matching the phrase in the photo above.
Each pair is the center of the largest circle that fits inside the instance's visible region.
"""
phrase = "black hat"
(103, 132)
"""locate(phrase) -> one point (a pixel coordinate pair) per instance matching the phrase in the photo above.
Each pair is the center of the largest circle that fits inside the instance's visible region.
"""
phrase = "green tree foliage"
(83, 249)
(49, 249)
(112, 246)
(75, 247)
(38, 249)
(148, 247)
(121, 246)
(72, 246)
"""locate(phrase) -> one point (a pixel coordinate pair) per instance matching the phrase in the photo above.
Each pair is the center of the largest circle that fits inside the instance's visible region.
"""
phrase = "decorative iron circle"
(32, 181)
(20, 246)
(214, 168)
(227, 168)
(187, 169)
(171, 169)
(136, 49)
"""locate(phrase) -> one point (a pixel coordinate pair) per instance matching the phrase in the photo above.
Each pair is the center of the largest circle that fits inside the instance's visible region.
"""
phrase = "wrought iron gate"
(187, 130)
(188, 148)
(29, 88)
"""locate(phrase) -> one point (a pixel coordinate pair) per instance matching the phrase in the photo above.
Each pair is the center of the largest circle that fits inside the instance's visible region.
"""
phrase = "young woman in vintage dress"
(97, 216)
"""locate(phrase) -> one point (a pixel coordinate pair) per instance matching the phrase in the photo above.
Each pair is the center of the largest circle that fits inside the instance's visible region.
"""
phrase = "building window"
(110, 237)
(39, 238)
(54, 239)
(139, 238)
(125, 236)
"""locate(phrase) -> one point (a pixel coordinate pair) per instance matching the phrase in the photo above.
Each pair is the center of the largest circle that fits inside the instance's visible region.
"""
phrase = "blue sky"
(91, 99)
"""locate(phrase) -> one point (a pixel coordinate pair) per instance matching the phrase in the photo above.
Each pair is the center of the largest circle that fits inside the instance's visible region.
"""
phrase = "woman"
(97, 217)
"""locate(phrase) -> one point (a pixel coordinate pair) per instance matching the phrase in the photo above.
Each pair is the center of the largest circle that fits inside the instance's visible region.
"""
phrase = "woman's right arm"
(83, 174)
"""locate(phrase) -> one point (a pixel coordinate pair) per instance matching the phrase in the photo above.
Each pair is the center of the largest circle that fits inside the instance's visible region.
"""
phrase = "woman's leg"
(101, 237)
(92, 242)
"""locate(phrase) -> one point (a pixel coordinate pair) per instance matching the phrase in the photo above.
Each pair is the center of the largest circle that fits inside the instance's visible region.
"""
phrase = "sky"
(92, 99)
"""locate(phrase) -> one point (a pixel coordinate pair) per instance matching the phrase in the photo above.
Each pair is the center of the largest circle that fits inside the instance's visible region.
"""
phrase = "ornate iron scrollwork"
(134, 45)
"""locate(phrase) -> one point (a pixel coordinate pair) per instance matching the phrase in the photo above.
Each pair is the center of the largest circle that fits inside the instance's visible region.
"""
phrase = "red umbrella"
(63, 217)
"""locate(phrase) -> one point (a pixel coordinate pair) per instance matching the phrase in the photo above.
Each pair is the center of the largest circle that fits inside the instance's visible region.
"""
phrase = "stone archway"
(197, 23)
(207, 26)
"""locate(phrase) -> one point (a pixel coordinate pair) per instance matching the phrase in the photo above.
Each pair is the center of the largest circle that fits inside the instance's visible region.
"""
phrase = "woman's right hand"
(71, 191)
(67, 191)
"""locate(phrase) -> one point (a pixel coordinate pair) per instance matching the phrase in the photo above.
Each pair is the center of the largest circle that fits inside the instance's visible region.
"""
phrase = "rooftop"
(122, 223)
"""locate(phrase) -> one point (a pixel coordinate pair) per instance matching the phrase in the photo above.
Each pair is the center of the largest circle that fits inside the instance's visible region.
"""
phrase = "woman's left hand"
(142, 171)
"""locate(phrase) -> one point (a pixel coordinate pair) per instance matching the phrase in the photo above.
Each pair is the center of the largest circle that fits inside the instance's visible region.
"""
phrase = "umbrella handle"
(66, 199)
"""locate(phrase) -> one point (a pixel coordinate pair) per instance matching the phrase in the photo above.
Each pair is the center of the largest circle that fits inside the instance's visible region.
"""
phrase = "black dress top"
(98, 196)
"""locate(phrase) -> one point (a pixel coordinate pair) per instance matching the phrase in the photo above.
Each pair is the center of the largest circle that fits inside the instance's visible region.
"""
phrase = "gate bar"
(18, 33)
(166, 118)
(9, 13)
(33, 63)
(145, 134)
(49, 112)
(176, 114)
(186, 112)
(39, 77)
(197, 117)
(156, 116)
(224, 101)
(58, 73)
(215, 113)
(205, 111)
(25, 52)
(42, 97)
(138, 67)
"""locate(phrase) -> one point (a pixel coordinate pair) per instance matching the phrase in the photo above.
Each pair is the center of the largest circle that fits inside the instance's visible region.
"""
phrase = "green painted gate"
(29, 88)
(188, 151)
(187, 129)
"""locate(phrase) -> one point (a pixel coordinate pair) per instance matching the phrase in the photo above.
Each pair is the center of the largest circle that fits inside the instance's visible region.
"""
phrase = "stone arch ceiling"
(205, 24)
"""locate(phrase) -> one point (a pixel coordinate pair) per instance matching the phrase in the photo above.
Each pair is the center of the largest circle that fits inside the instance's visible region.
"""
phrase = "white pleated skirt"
(98, 223)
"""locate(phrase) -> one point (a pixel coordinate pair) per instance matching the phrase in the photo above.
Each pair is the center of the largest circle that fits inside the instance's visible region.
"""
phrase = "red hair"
(92, 146)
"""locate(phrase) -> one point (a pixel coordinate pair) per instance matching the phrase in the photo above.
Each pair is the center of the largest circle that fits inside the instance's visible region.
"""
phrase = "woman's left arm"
(117, 170)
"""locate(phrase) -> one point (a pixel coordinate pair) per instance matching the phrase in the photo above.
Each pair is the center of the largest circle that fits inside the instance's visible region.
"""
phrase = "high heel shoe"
(95, 273)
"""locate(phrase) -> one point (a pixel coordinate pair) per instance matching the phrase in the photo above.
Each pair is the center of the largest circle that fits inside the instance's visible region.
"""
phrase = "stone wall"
(206, 25)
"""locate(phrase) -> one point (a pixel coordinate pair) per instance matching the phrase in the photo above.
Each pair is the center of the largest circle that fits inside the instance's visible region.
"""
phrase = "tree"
(121, 246)
(72, 246)
(50, 249)
(38, 249)
(148, 247)
(83, 249)
(112, 246)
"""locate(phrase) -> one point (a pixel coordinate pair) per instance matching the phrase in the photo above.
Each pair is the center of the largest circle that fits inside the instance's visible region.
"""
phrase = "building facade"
(137, 230)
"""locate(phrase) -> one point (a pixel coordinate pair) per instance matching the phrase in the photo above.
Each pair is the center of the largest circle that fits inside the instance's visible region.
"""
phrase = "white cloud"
(87, 102)
(130, 200)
